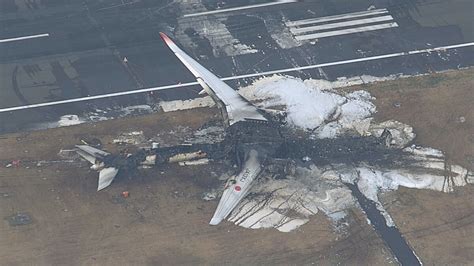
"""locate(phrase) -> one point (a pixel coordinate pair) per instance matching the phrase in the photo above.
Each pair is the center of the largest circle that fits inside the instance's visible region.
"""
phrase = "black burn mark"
(16, 89)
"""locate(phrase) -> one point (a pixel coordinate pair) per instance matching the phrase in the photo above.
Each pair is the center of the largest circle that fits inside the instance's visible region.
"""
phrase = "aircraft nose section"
(165, 38)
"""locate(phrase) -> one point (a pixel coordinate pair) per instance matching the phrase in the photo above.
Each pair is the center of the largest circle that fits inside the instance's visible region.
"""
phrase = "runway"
(71, 52)
(267, 73)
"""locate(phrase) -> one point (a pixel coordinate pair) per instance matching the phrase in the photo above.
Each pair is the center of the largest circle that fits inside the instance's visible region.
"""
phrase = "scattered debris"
(68, 154)
(401, 134)
(191, 30)
(150, 160)
(211, 195)
(195, 162)
(208, 134)
(177, 105)
(134, 137)
(94, 142)
(16, 163)
(18, 219)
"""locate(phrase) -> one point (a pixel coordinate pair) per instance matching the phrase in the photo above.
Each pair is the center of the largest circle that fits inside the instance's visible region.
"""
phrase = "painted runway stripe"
(25, 38)
(337, 17)
(240, 8)
(346, 31)
(341, 24)
(279, 71)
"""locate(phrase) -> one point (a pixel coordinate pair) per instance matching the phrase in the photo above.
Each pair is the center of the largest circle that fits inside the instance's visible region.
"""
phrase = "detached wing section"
(236, 107)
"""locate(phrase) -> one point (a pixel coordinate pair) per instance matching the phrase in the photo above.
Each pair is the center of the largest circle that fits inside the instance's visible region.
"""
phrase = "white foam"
(287, 204)
(69, 120)
(306, 107)
(314, 104)
(186, 104)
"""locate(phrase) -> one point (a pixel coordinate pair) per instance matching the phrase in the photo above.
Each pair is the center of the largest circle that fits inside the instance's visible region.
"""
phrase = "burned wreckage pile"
(273, 146)
(253, 146)
(328, 141)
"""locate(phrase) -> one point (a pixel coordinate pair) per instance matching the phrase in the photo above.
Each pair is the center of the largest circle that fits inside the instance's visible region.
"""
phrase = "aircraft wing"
(237, 188)
(237, 108)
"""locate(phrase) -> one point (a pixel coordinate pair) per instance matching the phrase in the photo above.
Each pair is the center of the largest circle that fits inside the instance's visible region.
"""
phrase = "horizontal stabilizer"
(90, 153)
(106, 176)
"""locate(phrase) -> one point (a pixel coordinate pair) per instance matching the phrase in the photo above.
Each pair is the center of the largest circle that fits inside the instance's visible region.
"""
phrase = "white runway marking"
(349, 23)
(25, 38)
(240, 8)
(279, 71)
(341, 24)
(346, 31)
(337, 17)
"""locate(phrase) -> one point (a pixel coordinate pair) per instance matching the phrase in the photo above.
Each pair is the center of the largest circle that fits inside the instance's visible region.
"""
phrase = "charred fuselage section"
(276, 145)
(273, 143)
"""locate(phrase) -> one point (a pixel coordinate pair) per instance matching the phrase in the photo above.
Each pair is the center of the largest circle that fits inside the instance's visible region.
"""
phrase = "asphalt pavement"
(57, 49)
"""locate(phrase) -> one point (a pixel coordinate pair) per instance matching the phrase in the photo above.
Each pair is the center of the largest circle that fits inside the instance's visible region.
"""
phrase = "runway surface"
(62, 50)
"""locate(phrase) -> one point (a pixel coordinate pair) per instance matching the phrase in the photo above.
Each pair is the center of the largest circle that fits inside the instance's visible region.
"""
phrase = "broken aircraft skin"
(254, 141)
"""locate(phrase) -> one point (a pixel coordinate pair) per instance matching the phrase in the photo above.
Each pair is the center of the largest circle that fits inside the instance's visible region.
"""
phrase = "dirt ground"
(164, 220)
(435, 106)
(439, 226)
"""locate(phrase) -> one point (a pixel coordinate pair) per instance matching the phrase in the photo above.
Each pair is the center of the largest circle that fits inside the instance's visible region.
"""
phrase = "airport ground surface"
(87, 43)
(165, 221)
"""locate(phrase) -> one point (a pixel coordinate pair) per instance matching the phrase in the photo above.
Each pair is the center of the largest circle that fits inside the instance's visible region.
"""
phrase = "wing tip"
(165, 38)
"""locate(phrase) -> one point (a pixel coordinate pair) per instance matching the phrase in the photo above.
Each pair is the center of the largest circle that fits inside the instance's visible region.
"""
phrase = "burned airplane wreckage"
(254, 140)
(253, 147)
